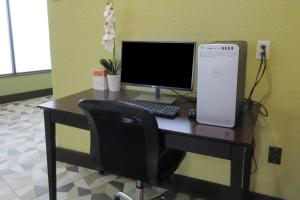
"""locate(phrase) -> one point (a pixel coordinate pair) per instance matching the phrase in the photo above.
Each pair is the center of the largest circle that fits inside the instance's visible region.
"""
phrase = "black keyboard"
(162, 110)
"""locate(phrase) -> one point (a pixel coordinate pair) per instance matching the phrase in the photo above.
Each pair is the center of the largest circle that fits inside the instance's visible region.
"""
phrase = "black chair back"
(124, 139)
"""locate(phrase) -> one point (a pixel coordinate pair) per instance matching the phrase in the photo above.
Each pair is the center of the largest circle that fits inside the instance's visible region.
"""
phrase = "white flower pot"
(99, 79)
(114, 82)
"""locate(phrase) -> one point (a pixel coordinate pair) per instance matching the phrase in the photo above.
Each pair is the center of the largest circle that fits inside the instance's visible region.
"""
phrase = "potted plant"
(108, 41)
(113, 76)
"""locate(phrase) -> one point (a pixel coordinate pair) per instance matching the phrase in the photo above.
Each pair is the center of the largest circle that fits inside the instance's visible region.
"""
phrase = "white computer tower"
(221, 82)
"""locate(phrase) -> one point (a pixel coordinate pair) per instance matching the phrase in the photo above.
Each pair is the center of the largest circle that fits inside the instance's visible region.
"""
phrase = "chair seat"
(169, 161)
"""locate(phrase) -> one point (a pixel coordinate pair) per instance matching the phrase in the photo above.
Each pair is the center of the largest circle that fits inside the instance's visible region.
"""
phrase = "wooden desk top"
(242, 134)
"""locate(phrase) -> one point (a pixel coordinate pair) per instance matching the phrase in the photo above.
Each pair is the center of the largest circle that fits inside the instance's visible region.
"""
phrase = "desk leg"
(236, 175)
(247, 171)
(51, 153)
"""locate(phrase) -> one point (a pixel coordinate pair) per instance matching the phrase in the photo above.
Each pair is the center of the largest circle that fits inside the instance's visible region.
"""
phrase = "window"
(24, 36)
(5, 51)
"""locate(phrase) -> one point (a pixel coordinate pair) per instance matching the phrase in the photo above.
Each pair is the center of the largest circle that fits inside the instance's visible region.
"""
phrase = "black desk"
(179, 133)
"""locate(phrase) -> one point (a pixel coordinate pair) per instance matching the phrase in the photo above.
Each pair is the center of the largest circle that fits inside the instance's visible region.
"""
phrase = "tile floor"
(23, 168)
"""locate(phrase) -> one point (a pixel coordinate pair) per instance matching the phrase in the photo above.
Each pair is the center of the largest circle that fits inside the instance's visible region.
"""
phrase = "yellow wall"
(25, 83)
(76, 31)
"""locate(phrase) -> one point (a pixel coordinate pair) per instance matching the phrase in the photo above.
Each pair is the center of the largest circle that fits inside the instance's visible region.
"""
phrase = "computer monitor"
(166, 65)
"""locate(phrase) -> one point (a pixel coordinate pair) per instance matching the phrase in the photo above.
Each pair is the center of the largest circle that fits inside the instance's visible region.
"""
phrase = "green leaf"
(117, 67)
(107, 65)
(111, 62)
(111, 66)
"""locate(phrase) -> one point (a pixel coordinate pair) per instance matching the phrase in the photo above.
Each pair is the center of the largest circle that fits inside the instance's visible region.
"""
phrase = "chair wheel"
(116, 197)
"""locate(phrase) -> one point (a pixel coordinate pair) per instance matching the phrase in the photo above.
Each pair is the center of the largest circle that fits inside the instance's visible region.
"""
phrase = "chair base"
(139, 195)
(123, 196)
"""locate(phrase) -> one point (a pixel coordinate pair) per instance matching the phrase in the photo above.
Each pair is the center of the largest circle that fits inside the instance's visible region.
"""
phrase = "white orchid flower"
(108, 40)
(108, 37)
(108, 24)
(108, 45)
(109, 27)
(108, 10)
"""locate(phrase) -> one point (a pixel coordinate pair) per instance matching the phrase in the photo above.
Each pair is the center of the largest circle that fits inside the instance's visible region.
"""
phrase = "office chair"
(129, 144)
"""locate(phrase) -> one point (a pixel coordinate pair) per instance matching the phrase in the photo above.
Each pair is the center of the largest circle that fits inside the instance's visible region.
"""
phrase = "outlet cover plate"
(259, 49)
(275, 155)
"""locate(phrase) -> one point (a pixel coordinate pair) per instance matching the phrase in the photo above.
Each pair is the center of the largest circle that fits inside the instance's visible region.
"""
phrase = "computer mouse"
(192, 113)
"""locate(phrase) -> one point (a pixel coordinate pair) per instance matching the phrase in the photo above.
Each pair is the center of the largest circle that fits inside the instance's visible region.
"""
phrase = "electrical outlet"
(259, 49)
(275, 155)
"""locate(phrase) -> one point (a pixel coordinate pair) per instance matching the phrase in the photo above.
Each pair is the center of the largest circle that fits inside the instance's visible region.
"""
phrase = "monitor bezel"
(156, 86)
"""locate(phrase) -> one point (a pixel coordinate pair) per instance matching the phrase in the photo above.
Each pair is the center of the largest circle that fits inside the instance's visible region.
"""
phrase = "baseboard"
(73, 157)
(25, 95)
(178, 183)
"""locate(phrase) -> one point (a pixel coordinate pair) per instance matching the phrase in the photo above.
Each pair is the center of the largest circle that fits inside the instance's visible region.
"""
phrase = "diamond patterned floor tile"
(6, 192)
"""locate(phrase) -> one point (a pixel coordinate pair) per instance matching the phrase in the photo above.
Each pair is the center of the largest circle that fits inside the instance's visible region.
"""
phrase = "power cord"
(253, 157)
(259, 76)
(184, 96)
(260, 73)
(264, 112)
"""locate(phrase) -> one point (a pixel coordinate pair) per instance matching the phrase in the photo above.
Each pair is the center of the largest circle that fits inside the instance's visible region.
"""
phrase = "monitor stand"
(157, 98)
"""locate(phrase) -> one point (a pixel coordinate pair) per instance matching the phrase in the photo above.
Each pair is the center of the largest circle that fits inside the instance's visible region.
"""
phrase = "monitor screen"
(158, 64)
